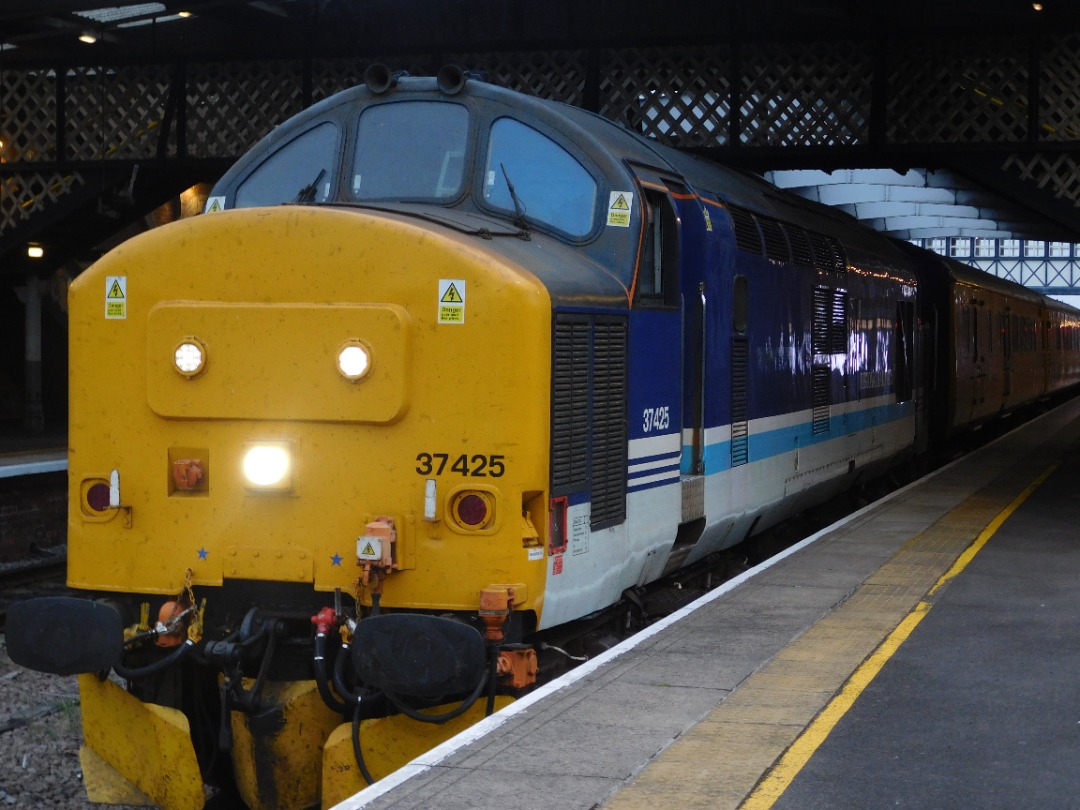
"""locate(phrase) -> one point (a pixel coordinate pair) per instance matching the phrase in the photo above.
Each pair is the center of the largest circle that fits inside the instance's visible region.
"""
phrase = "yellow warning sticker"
(115, 298)
(451, 300)
(620, 206)
(368, 550)
(214, 204)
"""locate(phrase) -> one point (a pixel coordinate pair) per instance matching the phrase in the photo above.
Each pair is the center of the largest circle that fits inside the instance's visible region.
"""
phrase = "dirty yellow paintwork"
(144, 744)
(273, 294)
(105, 785)
(388, 744)
(284, 738)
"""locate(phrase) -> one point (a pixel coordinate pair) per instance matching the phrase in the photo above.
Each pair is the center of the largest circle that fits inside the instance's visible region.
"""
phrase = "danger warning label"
(451, 300)
(368, 548)
(116, 297)
(620, 206)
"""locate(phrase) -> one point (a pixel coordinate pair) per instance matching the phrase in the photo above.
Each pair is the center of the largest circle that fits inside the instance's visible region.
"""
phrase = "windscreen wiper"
(307, 193)
(519, 207)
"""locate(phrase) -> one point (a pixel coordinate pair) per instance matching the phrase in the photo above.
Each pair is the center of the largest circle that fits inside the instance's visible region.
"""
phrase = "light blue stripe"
(771, 443)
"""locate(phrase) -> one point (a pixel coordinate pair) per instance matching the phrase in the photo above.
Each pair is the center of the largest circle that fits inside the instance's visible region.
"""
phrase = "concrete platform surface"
(775, 687)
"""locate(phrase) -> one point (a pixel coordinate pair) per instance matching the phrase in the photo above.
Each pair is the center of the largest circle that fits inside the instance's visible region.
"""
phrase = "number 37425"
(479, 465)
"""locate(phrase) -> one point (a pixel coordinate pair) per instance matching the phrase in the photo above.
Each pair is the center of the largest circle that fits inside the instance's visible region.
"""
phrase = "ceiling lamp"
(88, 38)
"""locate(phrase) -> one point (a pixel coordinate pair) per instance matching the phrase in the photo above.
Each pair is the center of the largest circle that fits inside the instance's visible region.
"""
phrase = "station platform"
(31, 462)
(922, 652)
(24, 452)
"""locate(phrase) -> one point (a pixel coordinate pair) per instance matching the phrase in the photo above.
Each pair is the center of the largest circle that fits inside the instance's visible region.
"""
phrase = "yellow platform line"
(777, 718)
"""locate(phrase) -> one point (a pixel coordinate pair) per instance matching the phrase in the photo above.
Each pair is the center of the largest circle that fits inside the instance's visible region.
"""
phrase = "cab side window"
(658, 276)
(550, 185)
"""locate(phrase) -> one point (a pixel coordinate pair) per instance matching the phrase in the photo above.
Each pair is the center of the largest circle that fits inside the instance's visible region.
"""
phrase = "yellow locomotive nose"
(294, 426)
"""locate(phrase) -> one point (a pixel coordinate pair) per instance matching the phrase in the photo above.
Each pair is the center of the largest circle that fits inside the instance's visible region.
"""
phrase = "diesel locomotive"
(444, 367)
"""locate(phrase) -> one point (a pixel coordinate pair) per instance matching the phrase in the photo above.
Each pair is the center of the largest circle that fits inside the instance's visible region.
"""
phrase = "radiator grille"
(776, 244)
(820, 398)
(589, 414)
(800, 245)
(740, 402)
(747, 236)
(828, 325)
(570, 407)
(609, 425)
(828, 253)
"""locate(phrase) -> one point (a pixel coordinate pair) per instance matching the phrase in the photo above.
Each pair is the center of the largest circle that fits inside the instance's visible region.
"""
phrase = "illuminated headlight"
(268, 466)
(190, 357)
(354, 360)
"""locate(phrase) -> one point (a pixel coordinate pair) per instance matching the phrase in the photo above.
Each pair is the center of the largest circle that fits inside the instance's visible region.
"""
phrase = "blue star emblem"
(203, 553)
(336, 560)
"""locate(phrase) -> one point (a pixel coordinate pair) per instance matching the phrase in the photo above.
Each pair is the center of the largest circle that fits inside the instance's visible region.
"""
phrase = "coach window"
(413, 150)
(300, 171)
(531, 177)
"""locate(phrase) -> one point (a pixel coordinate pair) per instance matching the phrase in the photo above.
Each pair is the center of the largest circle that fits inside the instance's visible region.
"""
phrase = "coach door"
(670, 297)
(656, 402)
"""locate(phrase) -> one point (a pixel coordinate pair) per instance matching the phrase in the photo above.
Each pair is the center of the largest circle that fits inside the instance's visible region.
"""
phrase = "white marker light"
(189, 358)
(429, 499)
(353, 361)
(268, 466)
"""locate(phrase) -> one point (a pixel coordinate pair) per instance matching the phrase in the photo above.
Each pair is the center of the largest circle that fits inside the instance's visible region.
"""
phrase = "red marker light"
(97, 497)
(472, 510)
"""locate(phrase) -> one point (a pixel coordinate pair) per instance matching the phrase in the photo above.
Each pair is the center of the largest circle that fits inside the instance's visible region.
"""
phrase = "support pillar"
(33, 413)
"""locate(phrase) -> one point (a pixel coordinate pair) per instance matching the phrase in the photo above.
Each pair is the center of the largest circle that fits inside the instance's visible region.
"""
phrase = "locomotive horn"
(451, 79)
(379, 79)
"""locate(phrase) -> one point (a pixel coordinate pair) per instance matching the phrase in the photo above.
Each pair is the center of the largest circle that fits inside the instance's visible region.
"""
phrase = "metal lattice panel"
(558, 75)
(28, 115)
(680, 96)
(24, 194)
(806, 95)
(1039, 274)
(959, 92)
(1058, 174)
(231, 106)
(114, 112)
(1059, 111)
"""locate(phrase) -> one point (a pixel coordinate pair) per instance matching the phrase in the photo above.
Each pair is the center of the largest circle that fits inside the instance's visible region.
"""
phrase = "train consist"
(445, 368)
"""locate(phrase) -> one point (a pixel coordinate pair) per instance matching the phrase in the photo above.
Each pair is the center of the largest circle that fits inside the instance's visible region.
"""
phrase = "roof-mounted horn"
(379, 79)
(451, 79)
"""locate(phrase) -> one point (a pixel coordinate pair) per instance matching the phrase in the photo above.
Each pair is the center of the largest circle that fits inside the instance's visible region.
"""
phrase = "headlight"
(354, 360)
(190, 357)
(268, 466)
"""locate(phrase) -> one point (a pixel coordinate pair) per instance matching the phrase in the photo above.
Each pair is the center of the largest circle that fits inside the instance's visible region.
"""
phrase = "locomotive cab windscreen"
(441, 153)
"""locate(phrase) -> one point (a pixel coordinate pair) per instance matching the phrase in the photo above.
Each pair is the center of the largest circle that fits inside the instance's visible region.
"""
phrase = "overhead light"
(88, 38)
(1037, 6)
(113, 14)
(35, 251)
(184, 14)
